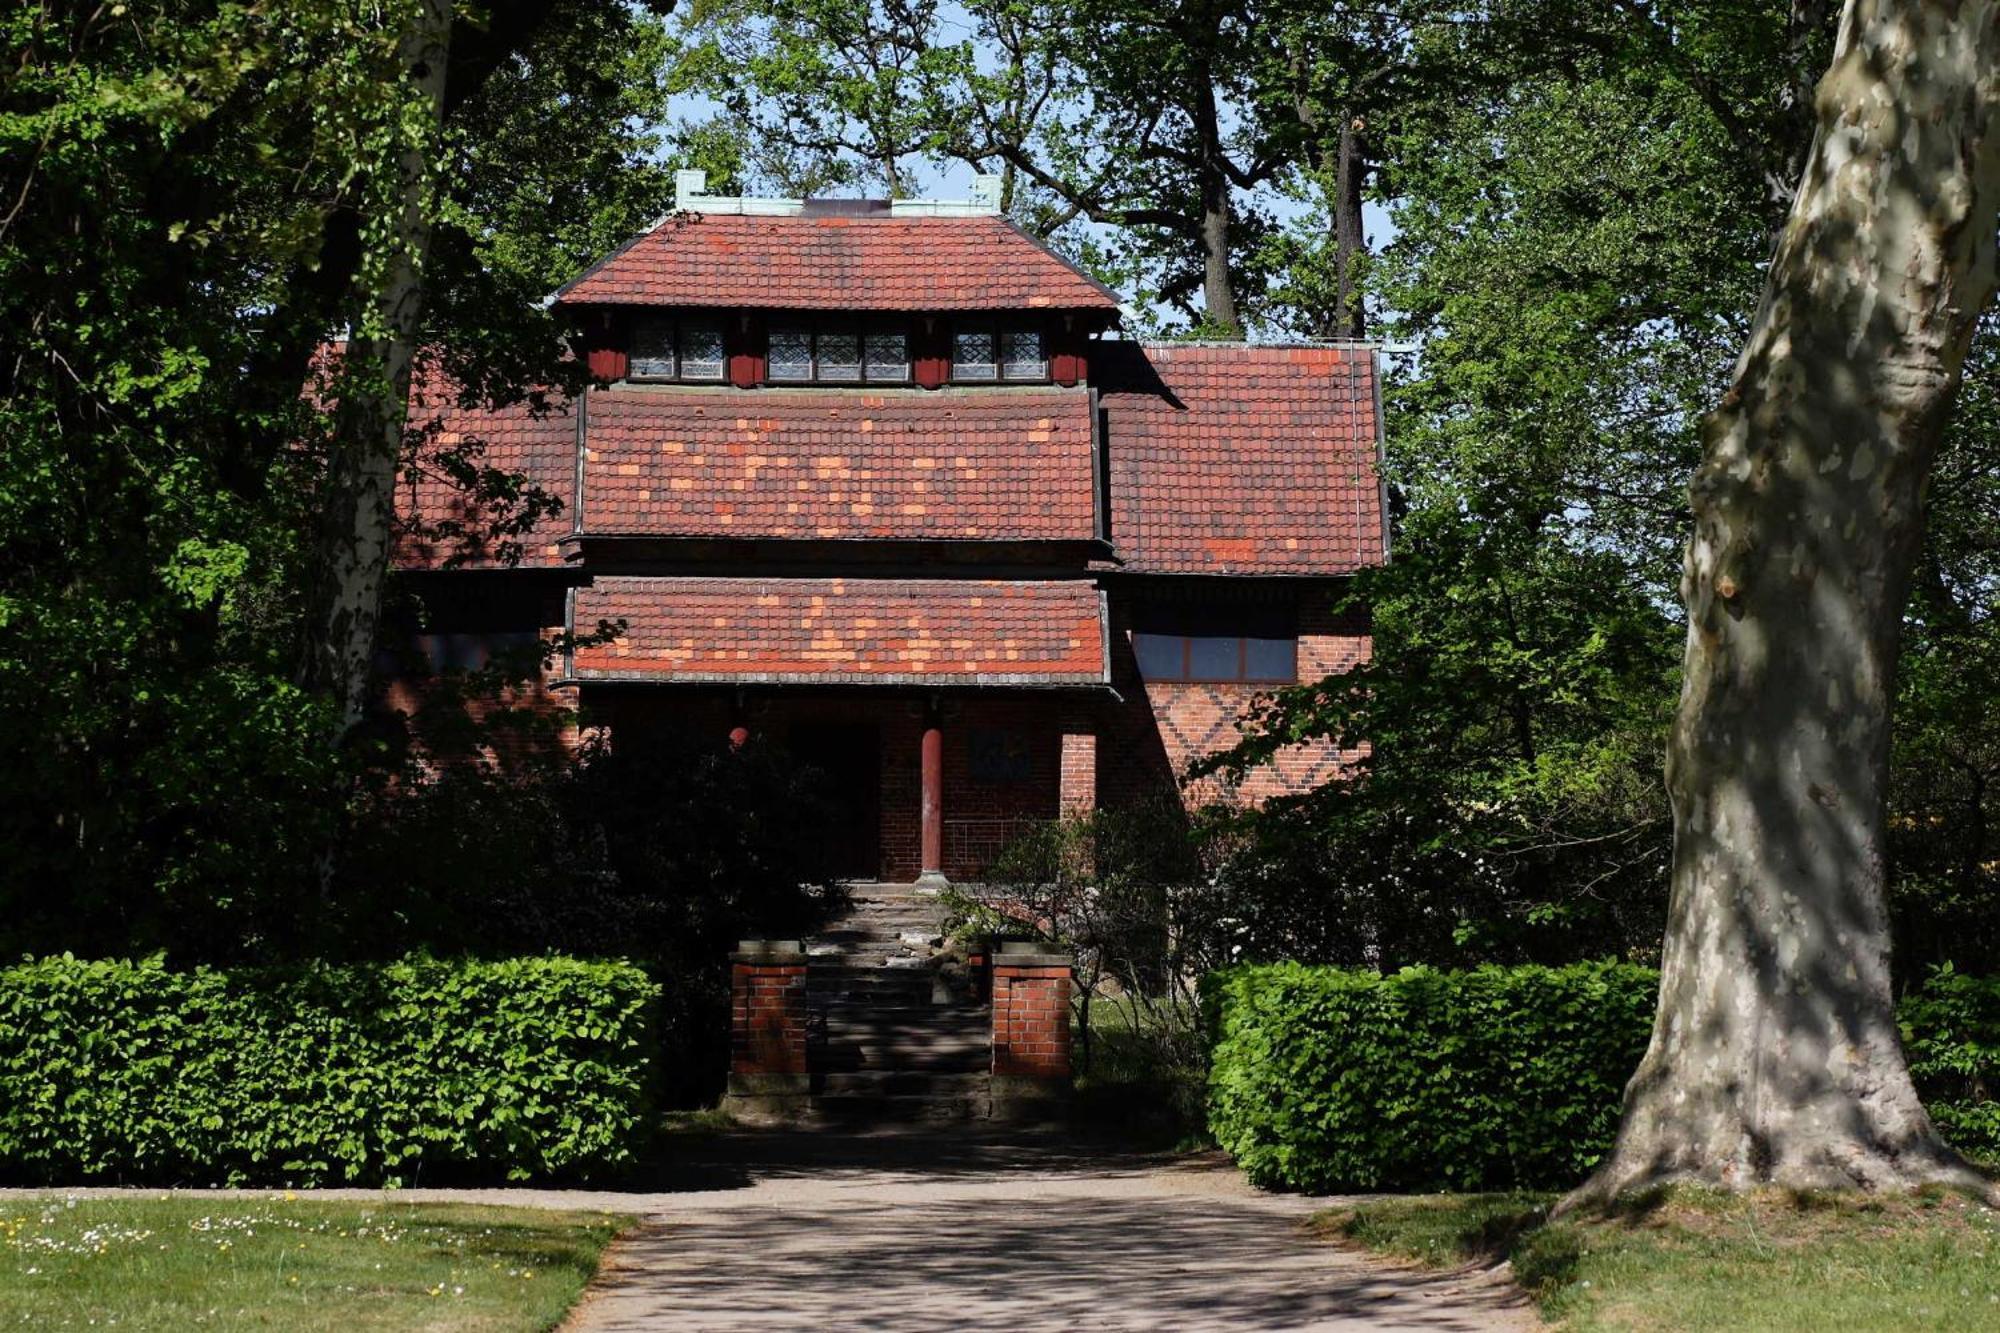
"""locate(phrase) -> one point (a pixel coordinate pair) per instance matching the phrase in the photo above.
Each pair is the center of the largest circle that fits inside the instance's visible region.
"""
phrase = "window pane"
(840, 356)
(1159, 655)
(1213, 657)
(1024, 355)
(701, 352)
(1270, 659)
(972, 355)
(791, 353)
(888, 359)
(652, 350)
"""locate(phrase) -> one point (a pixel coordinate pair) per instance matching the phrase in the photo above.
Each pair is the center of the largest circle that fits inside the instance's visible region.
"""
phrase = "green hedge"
(1323, 1079)
(388, 1073)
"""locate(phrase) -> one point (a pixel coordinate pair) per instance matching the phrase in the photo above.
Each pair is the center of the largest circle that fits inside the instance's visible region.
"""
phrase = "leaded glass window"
(791, 353)
(652, 350)
(701, 351)
(839, 356)
(972, 354)
(1023, 355)
(888, 355)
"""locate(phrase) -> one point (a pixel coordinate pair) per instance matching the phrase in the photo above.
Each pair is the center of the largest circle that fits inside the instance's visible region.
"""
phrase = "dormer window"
(667, 349)
(837, 353)
(997, 351)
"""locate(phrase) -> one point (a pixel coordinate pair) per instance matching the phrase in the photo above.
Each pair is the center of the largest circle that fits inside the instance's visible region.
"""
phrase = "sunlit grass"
(287, 1262)
(1689, 1259)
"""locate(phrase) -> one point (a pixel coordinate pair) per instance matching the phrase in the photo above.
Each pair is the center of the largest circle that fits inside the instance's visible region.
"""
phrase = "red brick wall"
(767, 1018)
(1078, 793)
(1030, 1019)
(1163, 726)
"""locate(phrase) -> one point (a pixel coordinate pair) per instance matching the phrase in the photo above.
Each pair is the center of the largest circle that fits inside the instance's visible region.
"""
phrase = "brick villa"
(879, 481)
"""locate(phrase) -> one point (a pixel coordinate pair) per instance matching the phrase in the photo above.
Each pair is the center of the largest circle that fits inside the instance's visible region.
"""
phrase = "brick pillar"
(1078, 792)
(1031, 992)
(931, 866)
(770, 1077)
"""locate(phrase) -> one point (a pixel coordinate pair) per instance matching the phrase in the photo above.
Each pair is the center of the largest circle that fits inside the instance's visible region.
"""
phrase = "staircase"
(901, 1031)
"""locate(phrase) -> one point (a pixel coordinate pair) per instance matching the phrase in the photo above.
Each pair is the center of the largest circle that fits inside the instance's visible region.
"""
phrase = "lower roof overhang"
(838, 632)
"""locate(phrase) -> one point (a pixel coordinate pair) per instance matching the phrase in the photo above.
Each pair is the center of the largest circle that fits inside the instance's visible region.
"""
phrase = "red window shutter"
(744, 338)
(930, 351)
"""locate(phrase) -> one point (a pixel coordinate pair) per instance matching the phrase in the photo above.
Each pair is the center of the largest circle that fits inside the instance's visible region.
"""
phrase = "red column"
(932, 842)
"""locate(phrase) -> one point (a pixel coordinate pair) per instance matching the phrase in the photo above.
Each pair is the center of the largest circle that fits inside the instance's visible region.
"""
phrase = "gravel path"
(912, 1233)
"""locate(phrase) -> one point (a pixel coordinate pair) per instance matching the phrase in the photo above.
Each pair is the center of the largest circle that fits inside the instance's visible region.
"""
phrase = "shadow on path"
(906, 1232)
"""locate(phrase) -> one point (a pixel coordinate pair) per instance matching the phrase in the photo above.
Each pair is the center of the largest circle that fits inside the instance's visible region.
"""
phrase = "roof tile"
(958, 465)
(1241, 459)
(865, 631)
(837, 263)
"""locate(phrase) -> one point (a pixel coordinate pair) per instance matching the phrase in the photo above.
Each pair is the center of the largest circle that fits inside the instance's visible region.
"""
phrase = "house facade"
(882, 483)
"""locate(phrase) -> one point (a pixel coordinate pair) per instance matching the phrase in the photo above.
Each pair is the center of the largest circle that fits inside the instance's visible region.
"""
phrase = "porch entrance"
(847, 756)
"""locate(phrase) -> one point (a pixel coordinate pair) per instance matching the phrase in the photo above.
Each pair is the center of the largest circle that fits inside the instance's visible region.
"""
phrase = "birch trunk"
(1775, 1058)
(357, 520)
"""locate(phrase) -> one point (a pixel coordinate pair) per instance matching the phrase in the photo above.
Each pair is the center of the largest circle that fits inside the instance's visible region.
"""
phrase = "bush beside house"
(405, 1072)
(1326, 1079)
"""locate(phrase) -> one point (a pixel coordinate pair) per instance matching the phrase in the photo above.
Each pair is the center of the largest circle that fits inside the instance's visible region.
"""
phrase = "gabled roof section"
(843, 631)
(1234, 459)
(438, 524)
(821, 262)
(947, 465)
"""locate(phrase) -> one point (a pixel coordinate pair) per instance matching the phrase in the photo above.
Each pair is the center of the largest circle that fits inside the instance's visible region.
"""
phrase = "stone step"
(905, 1083)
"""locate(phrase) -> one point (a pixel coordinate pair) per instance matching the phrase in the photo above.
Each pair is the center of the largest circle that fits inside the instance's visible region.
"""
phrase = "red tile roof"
(837, 263)
(1241, 460)
(511, 439)
(847, 631)
(954, 464)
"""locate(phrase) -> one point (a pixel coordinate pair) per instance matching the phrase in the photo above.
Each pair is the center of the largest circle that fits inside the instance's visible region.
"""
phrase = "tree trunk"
(1350, 245)
(1218, 290)
(357, 518)
(1774, 1057)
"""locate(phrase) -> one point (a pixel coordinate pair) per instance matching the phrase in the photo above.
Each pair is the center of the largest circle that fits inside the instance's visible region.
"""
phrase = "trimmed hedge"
(1323, 1079)
(377, 1074)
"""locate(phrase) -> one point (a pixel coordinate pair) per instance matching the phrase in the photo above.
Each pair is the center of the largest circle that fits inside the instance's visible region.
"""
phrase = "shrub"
(1323, 1079)
(1951, 1033)
(309, 1075)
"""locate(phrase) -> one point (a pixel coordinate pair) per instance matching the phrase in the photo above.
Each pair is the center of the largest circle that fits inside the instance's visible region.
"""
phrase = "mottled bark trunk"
(1348, 167)
(1218, 288)
(357, 516)
(1775, 1057)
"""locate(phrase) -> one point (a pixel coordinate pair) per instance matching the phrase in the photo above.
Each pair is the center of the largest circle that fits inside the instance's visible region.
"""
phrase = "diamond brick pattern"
(845, 631)
(542, 447)
(961, 465)
(1241, 460)
(837, 263)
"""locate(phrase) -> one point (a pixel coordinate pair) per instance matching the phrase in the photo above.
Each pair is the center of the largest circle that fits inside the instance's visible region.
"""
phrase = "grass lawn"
(282, 1262)
(1688, 1259)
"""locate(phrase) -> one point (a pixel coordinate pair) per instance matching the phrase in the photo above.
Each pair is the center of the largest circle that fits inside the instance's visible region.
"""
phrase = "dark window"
(652, 350)
(998, 757)
(474, 652)
(1215, 643)
(888, 356)
(1024, 359)
(1005, 349)
(791, 357)
(665, 349)
(701, 351)
(837, 353)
